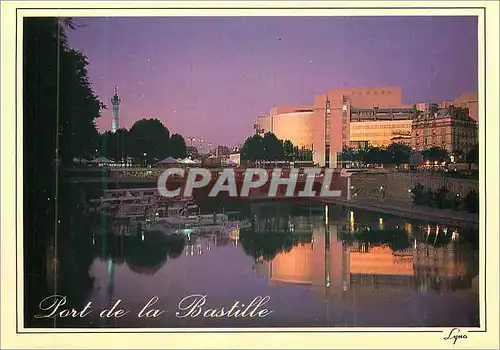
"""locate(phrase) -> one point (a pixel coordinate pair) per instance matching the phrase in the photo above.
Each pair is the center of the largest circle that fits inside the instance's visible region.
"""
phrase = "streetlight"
(144, 161)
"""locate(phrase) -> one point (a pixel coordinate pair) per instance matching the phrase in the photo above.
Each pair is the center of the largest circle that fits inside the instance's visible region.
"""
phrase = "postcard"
(249, 175)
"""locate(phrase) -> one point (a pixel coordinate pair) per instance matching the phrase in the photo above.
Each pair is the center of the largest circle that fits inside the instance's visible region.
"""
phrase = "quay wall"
(396, 185)
(393, 185)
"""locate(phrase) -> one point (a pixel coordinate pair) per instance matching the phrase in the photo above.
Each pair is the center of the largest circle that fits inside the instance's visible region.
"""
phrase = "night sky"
(209, 77)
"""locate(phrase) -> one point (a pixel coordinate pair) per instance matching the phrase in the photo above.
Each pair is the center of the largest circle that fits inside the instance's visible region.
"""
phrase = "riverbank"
(388, 205)
(408, 210)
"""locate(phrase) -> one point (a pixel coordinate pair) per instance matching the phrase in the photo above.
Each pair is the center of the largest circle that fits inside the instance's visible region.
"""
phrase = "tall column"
(115, 101)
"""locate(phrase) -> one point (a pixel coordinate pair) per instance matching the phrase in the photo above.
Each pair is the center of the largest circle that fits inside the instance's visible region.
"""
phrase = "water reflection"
(343, 267)
(143, 254)
(340, 256)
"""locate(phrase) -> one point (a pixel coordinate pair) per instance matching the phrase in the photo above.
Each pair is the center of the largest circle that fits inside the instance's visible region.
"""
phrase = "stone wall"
(396, 185)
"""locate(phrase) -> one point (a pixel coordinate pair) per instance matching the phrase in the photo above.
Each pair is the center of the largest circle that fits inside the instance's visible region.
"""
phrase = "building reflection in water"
(441, 265)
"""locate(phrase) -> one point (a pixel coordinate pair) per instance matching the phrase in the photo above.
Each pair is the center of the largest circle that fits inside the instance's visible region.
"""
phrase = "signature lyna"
(455, 335)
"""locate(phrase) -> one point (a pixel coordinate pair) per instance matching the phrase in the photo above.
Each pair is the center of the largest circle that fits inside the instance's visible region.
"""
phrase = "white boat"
(133, 209)
(188, 229)
(169, 230)
(139, 202)
(194, 220)
(111, 203)
(174, 208)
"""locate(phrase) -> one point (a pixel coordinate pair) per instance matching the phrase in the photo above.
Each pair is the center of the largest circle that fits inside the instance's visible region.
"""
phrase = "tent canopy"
(168, 160)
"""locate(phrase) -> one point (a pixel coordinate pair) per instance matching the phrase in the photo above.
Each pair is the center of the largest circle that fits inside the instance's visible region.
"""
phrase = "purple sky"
(209, 77)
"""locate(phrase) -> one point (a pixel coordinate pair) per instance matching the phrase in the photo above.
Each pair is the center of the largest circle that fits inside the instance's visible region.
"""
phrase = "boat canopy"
(102, 160)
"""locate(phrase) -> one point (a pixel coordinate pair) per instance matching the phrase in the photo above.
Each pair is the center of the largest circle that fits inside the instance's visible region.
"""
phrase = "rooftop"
(457, 113)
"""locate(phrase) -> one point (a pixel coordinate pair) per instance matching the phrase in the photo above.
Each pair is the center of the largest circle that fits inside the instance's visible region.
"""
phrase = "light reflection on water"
(351, 268)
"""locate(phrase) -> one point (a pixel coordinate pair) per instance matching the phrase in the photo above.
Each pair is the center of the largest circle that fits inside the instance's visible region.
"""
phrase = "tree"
(303, 154)
(192, 152)
(269, 148)
(418, 194)
(473, 155)
(114, 145)
(471, 201)
(272, 147)
(79, 107)
(347, 154)
(253, 149)
(57, 94)
(59, 112)
(267, 246)
(124, 143)
(399, 153)
(149, 140)
(459, 155)
(177, 146)
(435, 154)
(376, 155)
(288, 150)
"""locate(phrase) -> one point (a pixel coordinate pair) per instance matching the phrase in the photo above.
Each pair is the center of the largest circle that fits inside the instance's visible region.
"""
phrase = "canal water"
(295, 266)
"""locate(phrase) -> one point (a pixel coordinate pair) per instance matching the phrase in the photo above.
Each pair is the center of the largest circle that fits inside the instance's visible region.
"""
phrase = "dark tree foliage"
(435, 154)
(253, 149)
(270, 148)
(267, 245)
(192, 151)
(471, 201)
(302, 154)
(59, 112)
(114, 145)
(473, 155)
(177, 146)
(288, 150)
(396, 154)
(148, 136)
(399, 153)
(149, 140)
